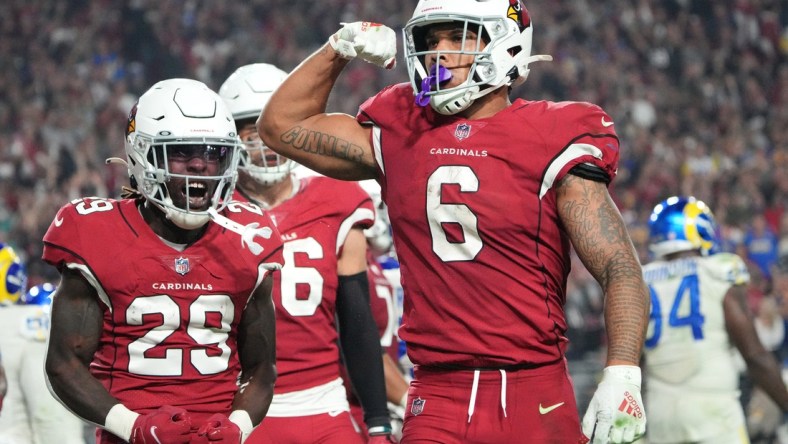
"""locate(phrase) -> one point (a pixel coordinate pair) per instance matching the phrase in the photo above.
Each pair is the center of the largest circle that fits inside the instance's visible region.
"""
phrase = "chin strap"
(540, 58)
(110, 160)
(247, 233)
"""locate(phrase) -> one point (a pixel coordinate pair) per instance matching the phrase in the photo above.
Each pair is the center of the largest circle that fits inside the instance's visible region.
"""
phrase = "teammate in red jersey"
(384, 311)
(486, 197)
(322, 287)
(163, 324)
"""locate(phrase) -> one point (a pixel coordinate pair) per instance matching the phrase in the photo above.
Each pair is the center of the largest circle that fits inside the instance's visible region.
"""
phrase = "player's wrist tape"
(379, 430)
(120, 420)
(629, 374)
(243, 421)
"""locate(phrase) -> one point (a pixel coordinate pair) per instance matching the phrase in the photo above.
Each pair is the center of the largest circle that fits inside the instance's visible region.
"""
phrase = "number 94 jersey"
(687, 344)
(170, 317)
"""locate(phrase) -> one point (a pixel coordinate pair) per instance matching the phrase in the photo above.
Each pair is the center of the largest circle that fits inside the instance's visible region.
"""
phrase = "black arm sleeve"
(358, 337)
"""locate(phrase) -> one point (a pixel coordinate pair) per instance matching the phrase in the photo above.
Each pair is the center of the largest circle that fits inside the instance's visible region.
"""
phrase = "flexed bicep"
(295, 124)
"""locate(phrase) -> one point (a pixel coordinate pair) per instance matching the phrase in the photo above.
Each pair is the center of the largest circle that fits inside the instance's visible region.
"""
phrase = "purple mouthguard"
(443, 75)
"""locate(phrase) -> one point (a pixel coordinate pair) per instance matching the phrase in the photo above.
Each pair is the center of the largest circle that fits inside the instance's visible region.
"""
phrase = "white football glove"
(615, 414)
(371, 42)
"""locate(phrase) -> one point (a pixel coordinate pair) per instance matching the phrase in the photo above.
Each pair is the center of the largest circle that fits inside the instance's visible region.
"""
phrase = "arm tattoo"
(602, 242)
(321, 143)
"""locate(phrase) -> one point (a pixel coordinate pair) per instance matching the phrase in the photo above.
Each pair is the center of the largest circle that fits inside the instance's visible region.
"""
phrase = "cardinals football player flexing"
(163, 324)
(486, 196)
(322, 287)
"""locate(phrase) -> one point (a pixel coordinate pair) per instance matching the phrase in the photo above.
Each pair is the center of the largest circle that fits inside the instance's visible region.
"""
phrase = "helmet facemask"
(261, 163)
(188, 206)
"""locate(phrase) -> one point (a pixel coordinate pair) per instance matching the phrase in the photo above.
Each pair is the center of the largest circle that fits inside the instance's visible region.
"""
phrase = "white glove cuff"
(243, 421)
(342, 47)
(120, 421)
(403, 402)
(629, 374)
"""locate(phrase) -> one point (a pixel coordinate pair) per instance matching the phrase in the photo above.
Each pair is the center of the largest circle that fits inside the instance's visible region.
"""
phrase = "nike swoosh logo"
(606, 124)
(546, 410)
(58, 221)
(153, 434)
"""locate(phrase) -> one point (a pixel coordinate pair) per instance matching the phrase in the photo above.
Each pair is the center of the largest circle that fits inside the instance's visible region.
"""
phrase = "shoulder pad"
(729, 267)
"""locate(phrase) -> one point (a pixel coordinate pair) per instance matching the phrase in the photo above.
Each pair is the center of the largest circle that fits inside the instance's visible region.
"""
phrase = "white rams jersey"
(30, 414)
(691, 379)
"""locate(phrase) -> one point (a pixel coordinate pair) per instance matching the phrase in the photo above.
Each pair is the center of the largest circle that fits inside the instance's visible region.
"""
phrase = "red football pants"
(535, 406)
(312, 429)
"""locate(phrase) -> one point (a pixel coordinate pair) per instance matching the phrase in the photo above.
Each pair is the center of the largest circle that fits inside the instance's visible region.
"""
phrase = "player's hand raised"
(371, 42)
(616, 413)
(166, 424)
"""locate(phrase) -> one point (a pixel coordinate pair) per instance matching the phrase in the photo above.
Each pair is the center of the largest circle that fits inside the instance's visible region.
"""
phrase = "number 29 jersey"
(170, 317)
(472, 204)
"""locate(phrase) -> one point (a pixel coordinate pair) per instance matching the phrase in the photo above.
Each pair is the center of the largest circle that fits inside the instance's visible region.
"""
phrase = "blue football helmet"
(682, 224)
(36, 322)
(13, 276)
(38, 295)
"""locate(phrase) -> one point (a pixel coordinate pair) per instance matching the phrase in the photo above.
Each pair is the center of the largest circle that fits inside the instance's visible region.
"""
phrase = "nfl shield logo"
(182, 265)
(462, 131)
(418, 406)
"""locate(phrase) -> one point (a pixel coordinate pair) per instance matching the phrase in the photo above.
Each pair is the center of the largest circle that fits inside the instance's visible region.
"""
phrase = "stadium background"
(698, 90)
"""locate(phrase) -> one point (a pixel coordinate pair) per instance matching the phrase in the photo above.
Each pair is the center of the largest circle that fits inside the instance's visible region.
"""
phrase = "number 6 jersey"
(473, 209)
(170, 316)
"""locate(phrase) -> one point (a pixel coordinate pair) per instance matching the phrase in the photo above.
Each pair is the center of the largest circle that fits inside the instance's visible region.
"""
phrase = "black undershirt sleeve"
(358, 338)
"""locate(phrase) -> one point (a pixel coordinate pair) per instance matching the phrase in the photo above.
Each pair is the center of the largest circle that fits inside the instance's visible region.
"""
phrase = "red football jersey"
(473, 210)
(170, 317)
(383, 306)
(314, 224)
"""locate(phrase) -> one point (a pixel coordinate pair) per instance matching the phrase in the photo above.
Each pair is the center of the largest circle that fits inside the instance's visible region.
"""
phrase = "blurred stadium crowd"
(698, 89)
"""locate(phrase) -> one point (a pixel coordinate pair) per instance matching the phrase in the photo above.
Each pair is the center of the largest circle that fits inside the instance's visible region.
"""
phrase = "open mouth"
(197, 195)
(272, 159)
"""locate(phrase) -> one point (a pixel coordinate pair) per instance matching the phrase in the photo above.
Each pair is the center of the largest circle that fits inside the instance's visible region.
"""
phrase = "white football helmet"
(507, 32)
(246, 93)
(176, 117)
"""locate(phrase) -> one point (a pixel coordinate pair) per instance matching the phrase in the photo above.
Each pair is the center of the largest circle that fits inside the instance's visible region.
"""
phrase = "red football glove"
(218, 430)
(167, 424)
